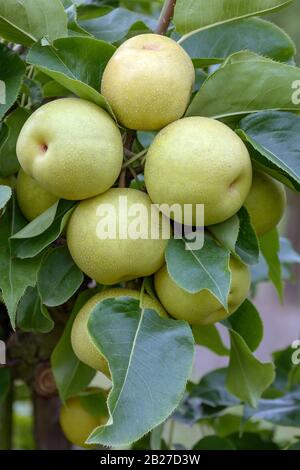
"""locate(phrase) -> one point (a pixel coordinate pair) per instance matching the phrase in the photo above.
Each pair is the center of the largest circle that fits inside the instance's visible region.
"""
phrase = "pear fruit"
(33, 200)
(82, 343)
(265, 202)
(77, 421)
(198, 160)
(72, 148)
(114, 255)
(148, 82)
(202, 308)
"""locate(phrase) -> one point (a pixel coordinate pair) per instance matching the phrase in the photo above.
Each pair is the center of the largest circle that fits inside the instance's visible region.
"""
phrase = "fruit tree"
(146, 153)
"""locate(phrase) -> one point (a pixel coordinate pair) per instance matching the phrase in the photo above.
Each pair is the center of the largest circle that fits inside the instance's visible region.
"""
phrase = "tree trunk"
(6, 413)
(47, 431)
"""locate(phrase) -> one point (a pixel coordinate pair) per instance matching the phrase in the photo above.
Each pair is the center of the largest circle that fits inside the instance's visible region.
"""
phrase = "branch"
(130, 136)
(166, 15)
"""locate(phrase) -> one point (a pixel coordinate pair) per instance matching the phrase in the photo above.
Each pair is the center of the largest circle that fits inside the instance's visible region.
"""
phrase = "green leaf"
(33, 90)
(247, 377)
(73, 26)
(274, 136)
(53, 89)
(66, 63)
(206, 400)
(156, 437)
(193, 15)
(138, 182)
(295, 446)
(59, 277)
(146, 138)
(5, 195)
(148, 378)
(39, 224)
(32, 315)
(213, 45)
(287, 256)
(116, 24)
(71, 375)
(209, 336)
(140, 27)
(231, 423)
(94, 401)
(256, 83)
(12, 72)
(247, 322)
(212, 390)
(238, 236)
(30, 247)
(9, 163)
(250, 441)
(5, 381)
(213, 443)
(270, 246)
(15, 274)
(88, 11)
(285, 369)
(195, 270)
(284, 411)
(28, 21)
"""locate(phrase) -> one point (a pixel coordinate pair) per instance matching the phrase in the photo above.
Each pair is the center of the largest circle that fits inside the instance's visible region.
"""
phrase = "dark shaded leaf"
(116, 24)
(71, 375)
(9, 163)
(65, 62)
(247, 322)
(12, 70)
(32, 315)
(274, 136)
(59, 277)
(213, 45)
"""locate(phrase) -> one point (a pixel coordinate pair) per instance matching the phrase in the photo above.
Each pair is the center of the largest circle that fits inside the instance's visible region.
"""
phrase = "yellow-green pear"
(78, 422)
(148, 82)
(72, 148)
(198, 160)
(109, 236)
(33, 200)
(82, 343)
(265, 202)
(202, 308)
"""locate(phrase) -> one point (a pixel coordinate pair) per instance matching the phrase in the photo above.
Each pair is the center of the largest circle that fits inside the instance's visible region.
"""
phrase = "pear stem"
(129, 139)
(134, 158)
(166, 15)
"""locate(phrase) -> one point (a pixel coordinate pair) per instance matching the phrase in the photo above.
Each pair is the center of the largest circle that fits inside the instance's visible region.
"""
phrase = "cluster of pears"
(70, 148)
